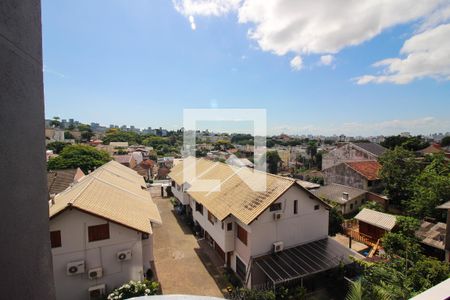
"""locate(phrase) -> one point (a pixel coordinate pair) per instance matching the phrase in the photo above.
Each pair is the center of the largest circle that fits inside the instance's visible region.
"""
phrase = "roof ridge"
(120, 188)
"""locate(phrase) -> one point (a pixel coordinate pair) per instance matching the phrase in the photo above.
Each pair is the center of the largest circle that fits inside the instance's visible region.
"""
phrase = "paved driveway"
(181, 265)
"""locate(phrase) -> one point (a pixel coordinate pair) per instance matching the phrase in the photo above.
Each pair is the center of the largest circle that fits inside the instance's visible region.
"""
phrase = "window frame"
(275, 206)
(95, 234)
(241, 268)
(211, 218)
(230, 226)
(55, 234)
(242, 234)
(199, 207)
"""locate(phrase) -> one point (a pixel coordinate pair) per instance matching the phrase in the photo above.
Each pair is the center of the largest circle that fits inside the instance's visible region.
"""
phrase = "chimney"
(345, 195)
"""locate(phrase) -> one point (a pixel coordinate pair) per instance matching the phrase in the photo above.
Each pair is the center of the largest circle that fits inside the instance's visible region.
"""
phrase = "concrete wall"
(342, 174)
(292, 229)
(25, 256)
(73, 225)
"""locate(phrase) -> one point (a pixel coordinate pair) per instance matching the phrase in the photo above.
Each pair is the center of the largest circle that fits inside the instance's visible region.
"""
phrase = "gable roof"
(333, 192)
(113, 192)
(123, 159)
(373, 148)
(369, 169)
(376, 218)
(231, 195)
(59, 180)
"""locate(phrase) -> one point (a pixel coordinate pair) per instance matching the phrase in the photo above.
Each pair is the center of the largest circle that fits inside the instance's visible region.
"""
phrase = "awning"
(304, 260)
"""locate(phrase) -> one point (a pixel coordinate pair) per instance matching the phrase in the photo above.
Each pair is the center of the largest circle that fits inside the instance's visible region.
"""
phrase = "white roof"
(376, 218)
(437, 292)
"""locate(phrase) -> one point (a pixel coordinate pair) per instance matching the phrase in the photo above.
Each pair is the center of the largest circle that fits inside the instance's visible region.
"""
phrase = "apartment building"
(247, 226)
(101, 232)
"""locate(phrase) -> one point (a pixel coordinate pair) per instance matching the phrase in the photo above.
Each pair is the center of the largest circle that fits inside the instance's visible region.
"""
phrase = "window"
(295, 207)
(211, 218)
(229, 226)
(351, 206)
(55, 238)
(173, 183)
(199, 207)
(242, 234)
(316, 207)
(240, 268)
(275, 206)
(145, 236)
(98, 232)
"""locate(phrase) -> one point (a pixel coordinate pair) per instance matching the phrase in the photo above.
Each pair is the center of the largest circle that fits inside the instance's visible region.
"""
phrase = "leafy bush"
(135, 289)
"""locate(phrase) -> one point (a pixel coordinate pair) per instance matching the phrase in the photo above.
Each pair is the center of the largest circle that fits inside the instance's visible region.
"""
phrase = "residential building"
(357, 174)
(345, 198)
(432, 237)
(59, 180)
(446, 206)
(126, 160)
(101, 232)
(248, 227)
(352, 152)
(374, 224)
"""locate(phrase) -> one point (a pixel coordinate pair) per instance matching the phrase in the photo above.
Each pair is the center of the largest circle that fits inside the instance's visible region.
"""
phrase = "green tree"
(55, 122)
(116, 135)
(56, 146)
(68, 135)
(445, 141)
(335, 222)
(372, 205)
(430, 189)
(311, 149)
(413, 143)
(399, 170)
(85, 157)
(273, 160)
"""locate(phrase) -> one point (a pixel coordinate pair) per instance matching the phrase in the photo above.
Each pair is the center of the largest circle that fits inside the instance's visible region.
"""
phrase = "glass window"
(98, 232)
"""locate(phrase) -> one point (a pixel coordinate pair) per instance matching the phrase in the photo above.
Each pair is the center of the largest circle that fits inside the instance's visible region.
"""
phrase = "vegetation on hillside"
(85, 157)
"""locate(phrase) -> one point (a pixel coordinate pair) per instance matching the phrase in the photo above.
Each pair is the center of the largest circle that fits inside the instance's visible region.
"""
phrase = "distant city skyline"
(218, 129)
(377, 75)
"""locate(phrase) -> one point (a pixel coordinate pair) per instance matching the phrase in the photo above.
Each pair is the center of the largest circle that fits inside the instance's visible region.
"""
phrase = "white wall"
(73, 225)
(178, 192)
(306, 226)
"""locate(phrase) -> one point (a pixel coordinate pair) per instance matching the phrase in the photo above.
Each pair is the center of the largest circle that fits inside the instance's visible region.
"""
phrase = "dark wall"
(25, 257)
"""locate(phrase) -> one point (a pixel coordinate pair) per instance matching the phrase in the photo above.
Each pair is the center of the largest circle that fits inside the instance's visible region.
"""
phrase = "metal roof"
(376, 218)
(446, 205)
(334, 192)
(304, 260)
(375, 149)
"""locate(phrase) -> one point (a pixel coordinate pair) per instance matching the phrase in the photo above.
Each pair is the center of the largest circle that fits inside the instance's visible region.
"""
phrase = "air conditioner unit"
(95, 273)
(75, 267)
(277, 247)
(124, 255)
(97, 292)
(277, 215)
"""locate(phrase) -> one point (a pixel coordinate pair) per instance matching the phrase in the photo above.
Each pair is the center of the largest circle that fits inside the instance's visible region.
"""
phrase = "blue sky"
(140, 63)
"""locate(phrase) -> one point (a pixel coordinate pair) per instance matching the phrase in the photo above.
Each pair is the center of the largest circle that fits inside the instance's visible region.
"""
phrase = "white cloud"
(205, 7)
(296, 63)
(325, 27)
(192, 21)
(426, 54)
(326, 60)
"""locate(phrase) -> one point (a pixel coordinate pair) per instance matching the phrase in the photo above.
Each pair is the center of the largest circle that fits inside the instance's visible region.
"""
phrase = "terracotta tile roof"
(369, 169)
(232, 195)
(113, 192)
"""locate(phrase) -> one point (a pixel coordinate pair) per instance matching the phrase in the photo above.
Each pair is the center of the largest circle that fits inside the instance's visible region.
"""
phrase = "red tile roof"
(369, 169)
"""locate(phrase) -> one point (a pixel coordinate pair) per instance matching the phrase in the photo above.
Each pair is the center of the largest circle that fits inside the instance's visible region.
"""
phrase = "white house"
(101, 232)
(247, 227)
